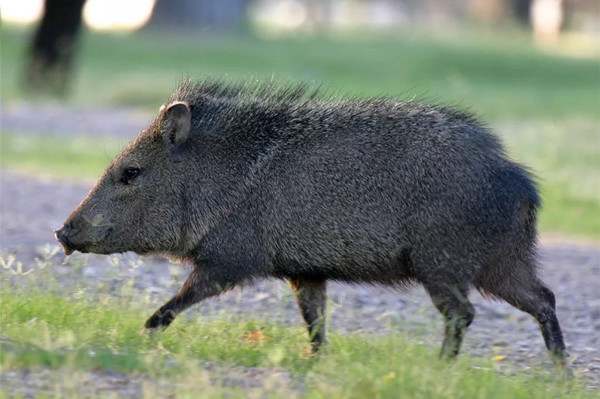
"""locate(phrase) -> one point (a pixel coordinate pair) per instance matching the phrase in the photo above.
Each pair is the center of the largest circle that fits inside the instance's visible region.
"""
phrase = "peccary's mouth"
(69, 245)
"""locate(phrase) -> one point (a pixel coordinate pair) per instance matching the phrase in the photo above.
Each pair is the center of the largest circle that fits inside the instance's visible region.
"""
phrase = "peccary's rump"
(268, 182)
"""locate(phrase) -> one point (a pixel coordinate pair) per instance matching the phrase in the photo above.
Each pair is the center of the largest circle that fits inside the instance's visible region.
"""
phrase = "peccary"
(249, 182)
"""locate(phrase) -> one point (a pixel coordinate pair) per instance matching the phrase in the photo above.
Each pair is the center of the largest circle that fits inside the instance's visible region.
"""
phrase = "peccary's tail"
(529, 205)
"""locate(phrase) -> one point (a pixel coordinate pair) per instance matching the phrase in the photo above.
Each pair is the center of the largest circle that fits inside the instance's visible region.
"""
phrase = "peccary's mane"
(269, 93)
(225, 101)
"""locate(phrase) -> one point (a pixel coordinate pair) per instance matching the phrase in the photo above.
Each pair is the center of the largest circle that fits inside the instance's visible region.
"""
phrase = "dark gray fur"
(274, 182)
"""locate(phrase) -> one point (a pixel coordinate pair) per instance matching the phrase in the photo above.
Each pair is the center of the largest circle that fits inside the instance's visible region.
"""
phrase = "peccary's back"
(373, 191)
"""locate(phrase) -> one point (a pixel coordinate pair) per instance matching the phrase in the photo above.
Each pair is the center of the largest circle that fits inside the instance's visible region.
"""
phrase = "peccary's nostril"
(63, 239)
(62, 234)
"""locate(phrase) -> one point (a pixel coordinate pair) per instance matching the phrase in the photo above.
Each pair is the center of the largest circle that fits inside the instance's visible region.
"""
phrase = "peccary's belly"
(358, 266)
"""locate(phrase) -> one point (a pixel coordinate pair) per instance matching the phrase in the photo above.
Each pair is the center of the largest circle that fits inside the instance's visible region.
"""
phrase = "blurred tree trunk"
(521, 11)
(547, 18)
(53, 47)
(222, 15)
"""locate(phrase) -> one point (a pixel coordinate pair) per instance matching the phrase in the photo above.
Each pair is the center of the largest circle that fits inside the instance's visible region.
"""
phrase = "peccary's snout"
(62, 235)
(78, 234)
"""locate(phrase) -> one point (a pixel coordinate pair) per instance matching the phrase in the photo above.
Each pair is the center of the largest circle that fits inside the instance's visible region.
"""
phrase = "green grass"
(497, 77)
(44, 330)
(80, 157)
(565, 156)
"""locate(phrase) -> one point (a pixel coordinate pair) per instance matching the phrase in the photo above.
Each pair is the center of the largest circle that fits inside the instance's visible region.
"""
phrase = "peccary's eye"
(129, 174)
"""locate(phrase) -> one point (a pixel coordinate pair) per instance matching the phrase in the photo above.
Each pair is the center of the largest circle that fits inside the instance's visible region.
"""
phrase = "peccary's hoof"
(563, 370)
(566, 373)
(149, 332)
(160, 320)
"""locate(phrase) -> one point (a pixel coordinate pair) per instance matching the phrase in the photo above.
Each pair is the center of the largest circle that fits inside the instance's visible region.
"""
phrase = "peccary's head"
(137, 204)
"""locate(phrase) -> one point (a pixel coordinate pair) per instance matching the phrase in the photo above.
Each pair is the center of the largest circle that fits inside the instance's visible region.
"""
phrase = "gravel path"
(31, 208)
(256, 382)
(58, 120)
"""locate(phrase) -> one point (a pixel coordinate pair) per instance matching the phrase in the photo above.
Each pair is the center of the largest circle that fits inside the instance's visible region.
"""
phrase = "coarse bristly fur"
(257, 180)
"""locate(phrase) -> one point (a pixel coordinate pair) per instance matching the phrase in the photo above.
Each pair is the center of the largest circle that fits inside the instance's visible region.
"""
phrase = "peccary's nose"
(62, 235)
(65, 231)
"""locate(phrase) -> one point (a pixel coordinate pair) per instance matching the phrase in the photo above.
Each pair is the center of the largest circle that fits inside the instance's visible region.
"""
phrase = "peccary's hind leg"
(551, 331)
(453, 303)
(532, 296)
(198, 286)
(312, 296)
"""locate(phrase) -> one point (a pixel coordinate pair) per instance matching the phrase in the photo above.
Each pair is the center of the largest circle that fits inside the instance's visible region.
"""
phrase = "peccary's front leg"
(453, 303)
(312, 296)
(199, 285)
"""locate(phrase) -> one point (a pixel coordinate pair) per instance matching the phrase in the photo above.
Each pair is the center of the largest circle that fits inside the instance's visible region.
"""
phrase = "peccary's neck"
(224, 169)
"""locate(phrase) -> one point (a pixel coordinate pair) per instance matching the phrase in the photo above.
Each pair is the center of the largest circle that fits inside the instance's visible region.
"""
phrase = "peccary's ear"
(178, 123)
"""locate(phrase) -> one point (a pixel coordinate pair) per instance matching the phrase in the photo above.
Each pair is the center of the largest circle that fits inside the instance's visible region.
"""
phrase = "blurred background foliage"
(499, 56)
